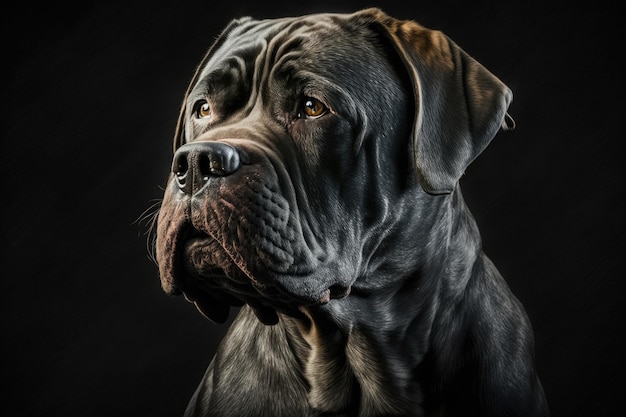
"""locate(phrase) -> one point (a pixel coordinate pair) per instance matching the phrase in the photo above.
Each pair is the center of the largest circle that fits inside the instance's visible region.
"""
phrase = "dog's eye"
(203, 110)
(312, 108)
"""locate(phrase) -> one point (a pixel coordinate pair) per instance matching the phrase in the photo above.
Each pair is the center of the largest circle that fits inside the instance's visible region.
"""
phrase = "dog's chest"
(358, 372)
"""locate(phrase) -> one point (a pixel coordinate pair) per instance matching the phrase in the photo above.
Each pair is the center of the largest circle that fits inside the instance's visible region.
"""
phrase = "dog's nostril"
(211, 165)
(204, 165)
(180, 167)
(218, 159)
(216, 166)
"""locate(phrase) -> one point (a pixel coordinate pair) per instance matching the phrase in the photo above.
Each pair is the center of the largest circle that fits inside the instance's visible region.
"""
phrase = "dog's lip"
(191, 299)
(335, 292)
(304, 295)
(212, 309)
(339, 291)
(293, 290)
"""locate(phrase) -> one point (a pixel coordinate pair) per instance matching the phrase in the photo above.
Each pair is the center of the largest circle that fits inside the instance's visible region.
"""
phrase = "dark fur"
(345, 237)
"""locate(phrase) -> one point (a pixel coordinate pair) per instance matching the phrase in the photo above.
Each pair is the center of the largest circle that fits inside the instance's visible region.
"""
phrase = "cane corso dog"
(315, 186)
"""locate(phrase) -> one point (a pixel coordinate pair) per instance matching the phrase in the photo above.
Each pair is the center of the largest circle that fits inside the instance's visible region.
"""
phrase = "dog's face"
(296, 157)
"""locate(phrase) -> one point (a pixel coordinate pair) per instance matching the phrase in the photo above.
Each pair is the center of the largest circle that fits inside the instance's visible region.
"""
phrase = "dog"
(315, 187)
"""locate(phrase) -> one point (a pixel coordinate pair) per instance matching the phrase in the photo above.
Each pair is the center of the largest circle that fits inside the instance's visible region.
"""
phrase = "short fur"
(343, 234)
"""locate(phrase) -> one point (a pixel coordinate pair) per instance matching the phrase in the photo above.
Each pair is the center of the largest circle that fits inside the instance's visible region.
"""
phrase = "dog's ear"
(460, 105)
(179, 134)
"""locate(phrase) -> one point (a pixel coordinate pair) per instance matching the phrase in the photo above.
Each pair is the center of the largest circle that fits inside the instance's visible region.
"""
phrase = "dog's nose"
(195, 163)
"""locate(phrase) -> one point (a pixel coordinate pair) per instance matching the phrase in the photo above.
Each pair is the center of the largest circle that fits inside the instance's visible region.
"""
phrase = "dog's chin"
(214, 282)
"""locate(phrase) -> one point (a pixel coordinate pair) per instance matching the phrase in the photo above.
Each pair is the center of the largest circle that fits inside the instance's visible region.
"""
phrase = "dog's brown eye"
(203, 110)
(312, 107)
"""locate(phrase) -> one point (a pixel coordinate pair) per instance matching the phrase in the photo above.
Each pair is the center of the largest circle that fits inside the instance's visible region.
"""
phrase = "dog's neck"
(372, 361)
(350, 363)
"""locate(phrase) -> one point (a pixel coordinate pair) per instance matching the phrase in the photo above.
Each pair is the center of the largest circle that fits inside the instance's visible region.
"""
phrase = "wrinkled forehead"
(319, 40)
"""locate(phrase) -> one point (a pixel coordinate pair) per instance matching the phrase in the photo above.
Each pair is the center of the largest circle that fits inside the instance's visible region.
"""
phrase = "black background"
(90, 105)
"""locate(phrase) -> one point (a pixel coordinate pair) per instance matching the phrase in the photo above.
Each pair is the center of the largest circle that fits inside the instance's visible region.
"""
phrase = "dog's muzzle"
(229, 234)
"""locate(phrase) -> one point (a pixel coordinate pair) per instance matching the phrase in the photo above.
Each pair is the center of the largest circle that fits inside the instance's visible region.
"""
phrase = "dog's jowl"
(314, 184)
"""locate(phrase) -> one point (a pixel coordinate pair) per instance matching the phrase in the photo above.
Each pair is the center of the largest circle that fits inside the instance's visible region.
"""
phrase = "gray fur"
(345, 237)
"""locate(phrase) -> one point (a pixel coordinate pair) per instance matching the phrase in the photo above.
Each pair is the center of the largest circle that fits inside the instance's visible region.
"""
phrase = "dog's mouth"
(214, 279)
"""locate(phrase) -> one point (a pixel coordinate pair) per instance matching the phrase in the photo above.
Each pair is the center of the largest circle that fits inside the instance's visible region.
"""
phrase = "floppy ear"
(460, 105)
(179, 134)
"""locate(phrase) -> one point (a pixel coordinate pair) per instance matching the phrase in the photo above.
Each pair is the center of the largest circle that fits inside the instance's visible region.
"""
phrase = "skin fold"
(315, 183)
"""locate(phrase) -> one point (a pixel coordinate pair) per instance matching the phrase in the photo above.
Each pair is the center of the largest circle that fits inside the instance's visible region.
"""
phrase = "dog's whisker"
(149, 212)
(148, 220)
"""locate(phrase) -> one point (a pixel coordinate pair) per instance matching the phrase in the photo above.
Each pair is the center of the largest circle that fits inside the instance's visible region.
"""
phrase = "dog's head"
(305, 149)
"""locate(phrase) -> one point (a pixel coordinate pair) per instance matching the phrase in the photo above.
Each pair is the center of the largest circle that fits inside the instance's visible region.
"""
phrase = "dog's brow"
(224, 68)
